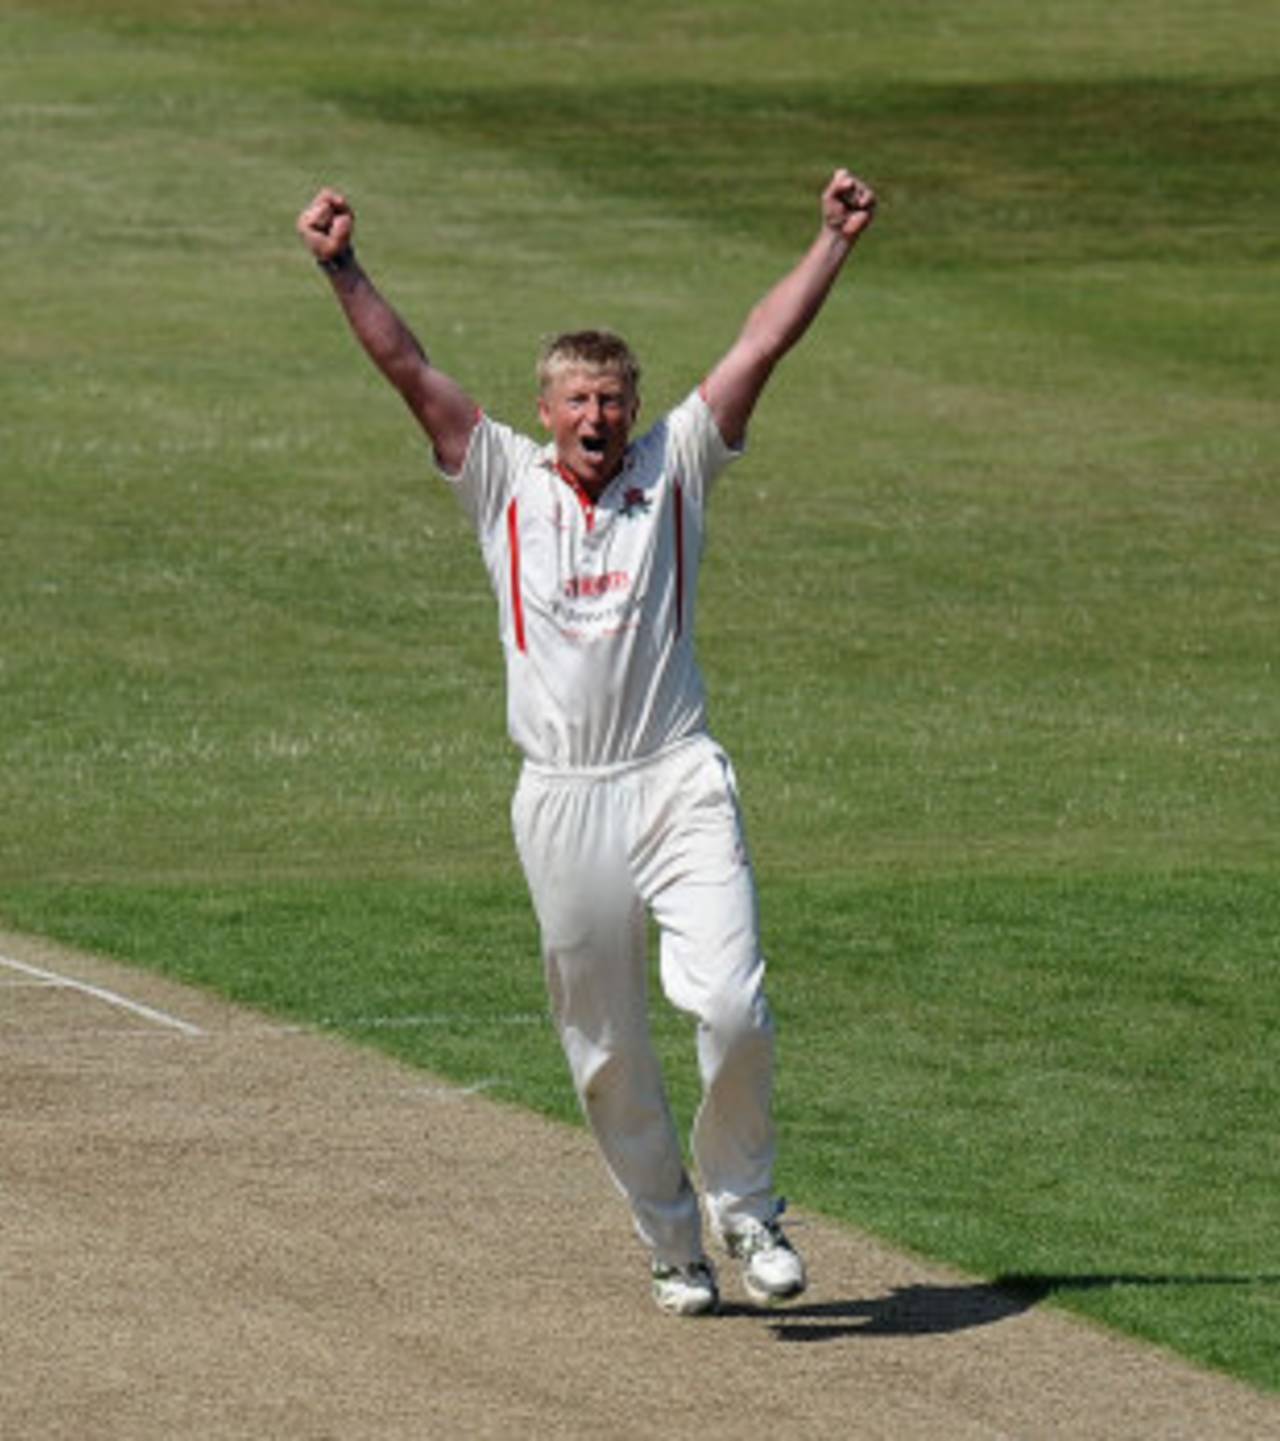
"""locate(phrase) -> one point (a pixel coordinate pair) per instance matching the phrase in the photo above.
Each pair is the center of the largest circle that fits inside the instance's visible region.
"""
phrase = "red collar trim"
(584, 499)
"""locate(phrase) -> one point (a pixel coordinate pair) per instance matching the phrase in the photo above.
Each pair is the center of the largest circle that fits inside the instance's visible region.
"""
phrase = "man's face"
(589, 414)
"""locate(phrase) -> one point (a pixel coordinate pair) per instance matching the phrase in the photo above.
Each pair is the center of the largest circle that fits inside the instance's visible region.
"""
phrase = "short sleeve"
(696, 446)
(483, 483)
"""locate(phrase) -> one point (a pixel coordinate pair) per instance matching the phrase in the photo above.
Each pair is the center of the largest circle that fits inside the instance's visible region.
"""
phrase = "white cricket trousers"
(600, 850)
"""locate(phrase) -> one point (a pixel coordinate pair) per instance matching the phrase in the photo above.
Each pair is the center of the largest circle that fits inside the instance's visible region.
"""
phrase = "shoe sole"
(771, 1300)
(699, 1308)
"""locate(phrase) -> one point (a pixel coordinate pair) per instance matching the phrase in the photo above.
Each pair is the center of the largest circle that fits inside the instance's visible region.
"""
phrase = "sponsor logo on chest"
(590, 587)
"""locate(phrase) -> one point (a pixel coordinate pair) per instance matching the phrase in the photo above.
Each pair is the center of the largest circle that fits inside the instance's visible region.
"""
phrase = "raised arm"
(440, 405)
(787, 311)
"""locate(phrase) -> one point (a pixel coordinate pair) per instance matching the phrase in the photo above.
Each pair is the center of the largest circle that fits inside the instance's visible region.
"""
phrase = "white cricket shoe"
(685, 1290)
(772, 1271)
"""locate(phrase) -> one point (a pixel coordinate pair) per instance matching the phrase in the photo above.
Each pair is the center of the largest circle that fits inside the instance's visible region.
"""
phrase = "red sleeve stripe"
(517, 599)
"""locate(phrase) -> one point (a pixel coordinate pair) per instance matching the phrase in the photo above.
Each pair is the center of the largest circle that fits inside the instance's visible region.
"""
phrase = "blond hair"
(597, 351)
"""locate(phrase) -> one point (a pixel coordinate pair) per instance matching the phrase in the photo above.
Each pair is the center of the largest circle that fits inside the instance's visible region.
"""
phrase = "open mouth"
(593, 444)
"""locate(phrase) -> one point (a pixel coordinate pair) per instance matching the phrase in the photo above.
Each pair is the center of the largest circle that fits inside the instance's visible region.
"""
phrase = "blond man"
(626, 807)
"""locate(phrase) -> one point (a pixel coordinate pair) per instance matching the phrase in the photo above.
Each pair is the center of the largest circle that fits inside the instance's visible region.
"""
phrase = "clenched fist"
(327, 225)
(848, 204)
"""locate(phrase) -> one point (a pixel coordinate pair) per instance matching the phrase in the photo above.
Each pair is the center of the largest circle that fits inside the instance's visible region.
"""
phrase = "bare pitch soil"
(260, 1232)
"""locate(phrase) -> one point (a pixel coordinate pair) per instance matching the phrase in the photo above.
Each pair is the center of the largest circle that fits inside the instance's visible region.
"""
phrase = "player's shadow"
(932, 1310)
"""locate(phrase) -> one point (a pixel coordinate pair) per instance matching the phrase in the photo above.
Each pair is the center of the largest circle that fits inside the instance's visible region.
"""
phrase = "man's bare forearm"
(386, 339)
(788, 310)
(440, 405)
(780, 320)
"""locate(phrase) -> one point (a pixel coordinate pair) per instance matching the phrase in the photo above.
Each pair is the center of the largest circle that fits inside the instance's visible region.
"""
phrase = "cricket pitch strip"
(215, 1226)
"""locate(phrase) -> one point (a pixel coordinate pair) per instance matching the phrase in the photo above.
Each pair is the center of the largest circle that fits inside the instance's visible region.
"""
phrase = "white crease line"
(326, 1025)
(453, 1092)
(433, 1018)
(100, 993)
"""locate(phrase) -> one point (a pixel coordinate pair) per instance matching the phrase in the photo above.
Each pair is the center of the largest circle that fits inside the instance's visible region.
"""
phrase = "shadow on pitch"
(928, 1310)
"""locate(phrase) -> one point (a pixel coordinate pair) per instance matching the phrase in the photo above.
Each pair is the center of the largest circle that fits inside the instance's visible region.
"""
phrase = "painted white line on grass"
(434, 1018)
(100, 993)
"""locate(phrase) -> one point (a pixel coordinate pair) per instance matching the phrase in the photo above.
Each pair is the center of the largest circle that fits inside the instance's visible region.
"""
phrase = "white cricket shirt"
(596, 601)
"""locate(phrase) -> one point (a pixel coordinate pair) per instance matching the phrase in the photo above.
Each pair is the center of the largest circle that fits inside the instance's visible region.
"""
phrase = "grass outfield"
(988, 617)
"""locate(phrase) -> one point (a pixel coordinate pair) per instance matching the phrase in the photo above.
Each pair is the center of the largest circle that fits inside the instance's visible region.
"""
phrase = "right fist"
(327, 225)
(848, 204)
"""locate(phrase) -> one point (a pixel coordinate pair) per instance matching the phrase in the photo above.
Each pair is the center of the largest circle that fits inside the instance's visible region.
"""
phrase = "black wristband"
(339, 262)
